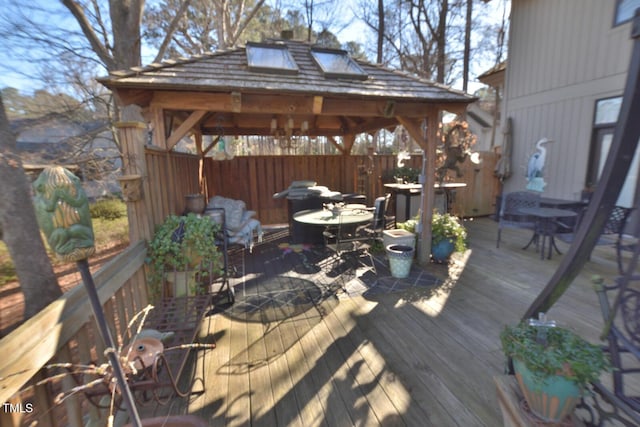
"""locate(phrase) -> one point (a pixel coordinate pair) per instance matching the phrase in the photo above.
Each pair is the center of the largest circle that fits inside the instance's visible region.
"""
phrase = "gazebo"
(262, 88)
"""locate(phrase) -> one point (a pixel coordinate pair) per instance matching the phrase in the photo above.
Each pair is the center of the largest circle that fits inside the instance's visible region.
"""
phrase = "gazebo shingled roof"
(218, 93)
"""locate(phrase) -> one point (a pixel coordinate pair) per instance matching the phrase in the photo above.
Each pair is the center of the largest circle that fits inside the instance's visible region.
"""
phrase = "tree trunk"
(467, 46)
(21, 234)
(380, 30)
(126, 19)
(441, 41)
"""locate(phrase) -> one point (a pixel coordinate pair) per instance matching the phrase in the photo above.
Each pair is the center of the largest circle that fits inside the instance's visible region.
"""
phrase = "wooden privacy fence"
(255, 179)
(65, 331)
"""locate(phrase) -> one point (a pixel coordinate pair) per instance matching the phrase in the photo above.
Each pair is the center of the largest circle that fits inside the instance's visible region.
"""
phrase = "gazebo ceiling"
(221, 93)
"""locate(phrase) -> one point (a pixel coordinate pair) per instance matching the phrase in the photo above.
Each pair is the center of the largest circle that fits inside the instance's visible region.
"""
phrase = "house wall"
(563, 56)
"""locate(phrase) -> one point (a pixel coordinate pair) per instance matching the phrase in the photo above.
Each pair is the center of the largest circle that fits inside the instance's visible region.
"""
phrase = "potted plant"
(448, 235)
(183, 247)
(553, 366)
(402, 174)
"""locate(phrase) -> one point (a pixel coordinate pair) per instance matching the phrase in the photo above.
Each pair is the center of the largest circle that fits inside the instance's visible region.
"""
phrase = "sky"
(356, 31)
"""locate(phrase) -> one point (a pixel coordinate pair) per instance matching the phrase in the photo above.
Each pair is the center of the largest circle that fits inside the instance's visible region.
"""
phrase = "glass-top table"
(348, 215)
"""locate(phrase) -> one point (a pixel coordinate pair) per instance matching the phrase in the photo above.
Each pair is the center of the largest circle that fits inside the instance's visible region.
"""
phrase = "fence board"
(255, 179)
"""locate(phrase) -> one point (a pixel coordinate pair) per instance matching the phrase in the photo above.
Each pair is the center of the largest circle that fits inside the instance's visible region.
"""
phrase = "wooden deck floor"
(297, 350)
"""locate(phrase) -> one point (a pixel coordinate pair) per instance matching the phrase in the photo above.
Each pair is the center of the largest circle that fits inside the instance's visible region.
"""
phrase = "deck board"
(425, 356)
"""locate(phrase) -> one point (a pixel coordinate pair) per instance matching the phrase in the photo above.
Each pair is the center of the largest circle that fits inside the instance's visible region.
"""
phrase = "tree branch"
(171, 30)
(100, 49)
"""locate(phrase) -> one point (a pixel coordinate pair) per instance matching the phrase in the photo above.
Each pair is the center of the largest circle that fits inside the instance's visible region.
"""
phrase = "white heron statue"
(537, 159)
(536, 166)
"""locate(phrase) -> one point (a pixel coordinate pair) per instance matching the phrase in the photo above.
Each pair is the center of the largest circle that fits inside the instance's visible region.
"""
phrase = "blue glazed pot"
(441, 251)
(552, 400)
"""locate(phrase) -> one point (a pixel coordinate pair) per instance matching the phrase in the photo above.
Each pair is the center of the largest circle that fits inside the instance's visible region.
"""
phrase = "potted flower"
(448, 235)
(553, 367)
(183, 247)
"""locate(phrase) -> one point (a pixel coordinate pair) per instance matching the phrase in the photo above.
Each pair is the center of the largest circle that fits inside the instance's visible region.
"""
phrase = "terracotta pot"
(553, 400)
(173, 421)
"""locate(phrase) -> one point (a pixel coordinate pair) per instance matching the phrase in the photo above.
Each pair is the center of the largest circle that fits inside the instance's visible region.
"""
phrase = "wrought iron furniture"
(566, 225)
(328, 218)
(223, 242)
(165, 374)
(546, 226)
(622, 332)
(626, 242)
(612, 232)
(349, 242)
(240, 225)
(510, 215)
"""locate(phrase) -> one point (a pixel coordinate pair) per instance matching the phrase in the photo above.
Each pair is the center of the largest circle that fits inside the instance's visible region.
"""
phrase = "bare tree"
(380, 44)
(206, 25)
(467, 45)
(20, 227)
(114, 46)
(427, 38)
(308, 10)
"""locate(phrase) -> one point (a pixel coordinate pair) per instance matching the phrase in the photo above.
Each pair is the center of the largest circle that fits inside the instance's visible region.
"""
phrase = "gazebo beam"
(335, 143)
(293, 104)
(184, 128)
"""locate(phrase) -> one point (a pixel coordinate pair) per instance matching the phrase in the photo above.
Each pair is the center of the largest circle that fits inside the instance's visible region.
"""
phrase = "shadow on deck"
(306, 344)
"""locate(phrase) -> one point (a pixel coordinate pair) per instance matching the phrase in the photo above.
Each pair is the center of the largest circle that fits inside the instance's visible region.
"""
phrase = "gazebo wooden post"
(132, 137)
(428, 143)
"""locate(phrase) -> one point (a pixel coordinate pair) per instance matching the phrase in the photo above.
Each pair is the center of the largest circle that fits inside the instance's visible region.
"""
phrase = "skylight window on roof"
(338, 63)
(270, 59)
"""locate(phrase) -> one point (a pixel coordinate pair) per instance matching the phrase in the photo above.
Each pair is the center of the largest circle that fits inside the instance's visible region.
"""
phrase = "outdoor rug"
(278, 279)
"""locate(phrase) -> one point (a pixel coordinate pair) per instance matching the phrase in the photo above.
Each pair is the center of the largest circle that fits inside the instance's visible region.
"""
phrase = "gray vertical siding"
(563, 55)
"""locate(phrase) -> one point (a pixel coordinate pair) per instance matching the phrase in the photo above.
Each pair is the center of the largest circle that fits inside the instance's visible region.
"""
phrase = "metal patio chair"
(510, 216)
(351, 242)
(612, 233)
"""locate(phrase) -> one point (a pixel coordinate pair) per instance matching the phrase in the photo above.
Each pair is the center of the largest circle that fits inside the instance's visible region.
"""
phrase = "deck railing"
(65, 332)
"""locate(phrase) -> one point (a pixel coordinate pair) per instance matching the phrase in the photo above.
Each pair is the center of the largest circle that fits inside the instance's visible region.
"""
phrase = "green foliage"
(377, 247)
(409, 225)
(108, 209)
(7, 270)
(183, 243)
(443, 226)
(447, 226)
(562, 351)
(406, 173)
(110, 232)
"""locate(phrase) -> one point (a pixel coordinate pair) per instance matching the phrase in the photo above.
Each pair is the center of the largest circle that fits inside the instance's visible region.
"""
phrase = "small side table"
(546, 226)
